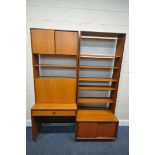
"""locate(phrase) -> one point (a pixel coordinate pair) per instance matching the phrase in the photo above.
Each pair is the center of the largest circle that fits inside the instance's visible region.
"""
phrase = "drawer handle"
(53, 112)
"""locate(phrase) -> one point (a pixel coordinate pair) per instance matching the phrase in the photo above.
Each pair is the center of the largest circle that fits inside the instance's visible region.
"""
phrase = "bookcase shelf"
(95, 37)
(93, 56)
(89, 79)
(99, 67)
(56, 66)
(95, 100)
(94, 88)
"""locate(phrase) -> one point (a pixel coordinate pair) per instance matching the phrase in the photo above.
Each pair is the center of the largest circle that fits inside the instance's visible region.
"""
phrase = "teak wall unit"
(91, 114)
(77, 95)
(54, 95)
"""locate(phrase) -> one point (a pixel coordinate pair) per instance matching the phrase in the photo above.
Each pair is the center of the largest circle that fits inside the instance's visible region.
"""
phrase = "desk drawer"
(53, 113)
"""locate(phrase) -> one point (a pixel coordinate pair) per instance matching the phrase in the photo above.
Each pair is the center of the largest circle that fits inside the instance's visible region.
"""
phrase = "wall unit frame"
(89, 93)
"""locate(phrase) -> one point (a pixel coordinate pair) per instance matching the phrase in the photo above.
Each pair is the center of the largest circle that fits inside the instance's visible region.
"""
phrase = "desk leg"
(36, 126)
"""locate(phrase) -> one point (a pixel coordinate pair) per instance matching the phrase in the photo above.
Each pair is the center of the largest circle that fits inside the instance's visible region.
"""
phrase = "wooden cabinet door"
(87, 130)
(66, 42)
(42, 41)
(107, 130)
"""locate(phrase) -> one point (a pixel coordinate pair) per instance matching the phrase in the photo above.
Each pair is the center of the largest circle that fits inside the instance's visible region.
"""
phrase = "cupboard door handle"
(54, 112)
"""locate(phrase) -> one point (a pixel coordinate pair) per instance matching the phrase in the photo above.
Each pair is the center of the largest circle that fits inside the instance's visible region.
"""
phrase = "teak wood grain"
(96, 116)
(94, 100)
(89, 79)
(87, 130)
(107, 129)
(96, 124)
(57, 106)
(98, 88)
(42, 41)
(53, 113)
(57, 96)
(66, 42)
(99, 56)
(56, 66)
(98, 67)
(100, 130)
(55, 90)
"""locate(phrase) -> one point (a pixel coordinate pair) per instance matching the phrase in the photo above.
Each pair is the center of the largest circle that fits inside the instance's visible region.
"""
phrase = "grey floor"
(58, 140)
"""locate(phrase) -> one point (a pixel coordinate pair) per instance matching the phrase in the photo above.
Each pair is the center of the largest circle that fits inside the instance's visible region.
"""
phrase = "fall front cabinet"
(46, 41)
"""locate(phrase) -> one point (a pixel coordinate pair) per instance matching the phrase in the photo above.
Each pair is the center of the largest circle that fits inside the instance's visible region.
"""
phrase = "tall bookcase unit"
(55, 90)
(77, 76)
(99, 72)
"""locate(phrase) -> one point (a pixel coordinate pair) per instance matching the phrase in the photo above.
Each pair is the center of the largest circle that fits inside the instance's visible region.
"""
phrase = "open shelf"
(56, 55)
(95, 100)
(82, 79)
(93, 88)
(55, 77)
(97, 37)
(98, 56)
(98, 67)
(54, 106)
(56, 66)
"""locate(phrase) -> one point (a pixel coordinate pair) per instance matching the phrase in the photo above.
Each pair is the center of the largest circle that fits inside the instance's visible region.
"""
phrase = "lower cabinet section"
(96, 130)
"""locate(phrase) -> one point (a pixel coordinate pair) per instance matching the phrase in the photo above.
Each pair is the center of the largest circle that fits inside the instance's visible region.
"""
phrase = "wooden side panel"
(107, 130)
(55, 90)
(42, 41)
(116, 73)
(66, 42)
(87, 130)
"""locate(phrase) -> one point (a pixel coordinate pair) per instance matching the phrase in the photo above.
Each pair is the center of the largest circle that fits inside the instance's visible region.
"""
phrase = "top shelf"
(93, 56)
(97, 37)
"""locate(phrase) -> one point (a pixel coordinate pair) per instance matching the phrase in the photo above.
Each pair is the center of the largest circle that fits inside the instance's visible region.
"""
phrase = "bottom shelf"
(95, 100)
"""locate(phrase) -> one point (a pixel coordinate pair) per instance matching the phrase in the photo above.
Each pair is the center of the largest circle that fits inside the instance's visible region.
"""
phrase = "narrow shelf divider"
(99, 67)
(94, 100)
(55, 66)
(106, 88)
(97, 37)
(98, 56)
(89, 79)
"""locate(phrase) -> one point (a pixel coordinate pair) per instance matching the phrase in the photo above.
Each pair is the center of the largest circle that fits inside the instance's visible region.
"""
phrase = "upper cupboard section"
(48, 41)
(42, 41)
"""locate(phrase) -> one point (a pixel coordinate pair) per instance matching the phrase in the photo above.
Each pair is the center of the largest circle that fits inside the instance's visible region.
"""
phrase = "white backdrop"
(89, 15)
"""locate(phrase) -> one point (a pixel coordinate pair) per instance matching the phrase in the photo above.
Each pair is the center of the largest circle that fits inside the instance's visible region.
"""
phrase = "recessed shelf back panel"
(63, 66)
(94, 46)
(57, 60)
(93, 106)
(57, 72)
(98, 62)
(96, 73)
(93, 93)
(95, 84)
